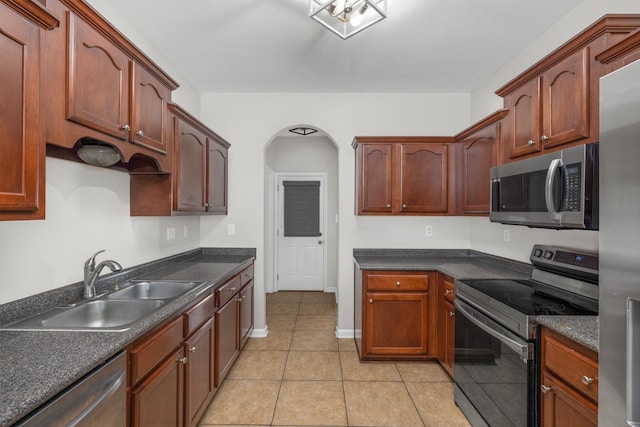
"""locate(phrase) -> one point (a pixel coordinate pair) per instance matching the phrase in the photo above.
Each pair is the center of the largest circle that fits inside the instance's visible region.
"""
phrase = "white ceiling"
(273, 46)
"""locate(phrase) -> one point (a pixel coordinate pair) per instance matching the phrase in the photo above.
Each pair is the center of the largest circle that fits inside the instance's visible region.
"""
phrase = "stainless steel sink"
(153, 290)
(110, 315)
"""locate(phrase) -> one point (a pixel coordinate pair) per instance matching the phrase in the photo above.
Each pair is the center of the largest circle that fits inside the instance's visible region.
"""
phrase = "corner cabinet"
(403, 175)
(22, 150)
(398, 316)
(198, 183)
(569, 383)
(479, 147)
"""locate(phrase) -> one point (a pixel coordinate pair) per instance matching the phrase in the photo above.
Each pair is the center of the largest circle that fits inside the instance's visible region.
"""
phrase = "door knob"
(319, 242)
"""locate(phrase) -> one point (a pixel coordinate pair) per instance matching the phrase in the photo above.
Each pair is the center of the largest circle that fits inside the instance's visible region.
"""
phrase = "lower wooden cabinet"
(398, 316)
(446, 322)
(569, 382)
(246, 313)
(200, 372)
(227, 342)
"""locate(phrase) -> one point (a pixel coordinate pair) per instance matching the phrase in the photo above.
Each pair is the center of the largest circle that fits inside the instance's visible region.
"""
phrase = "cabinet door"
(217, 179)
(98, 86)
(21, 156)
(246, 313)
(376, 180)
(565, 97)
(479, 155)
(149, 110)
(561, 407)
(158, 400)
(227, 339)
(396, 324)
(191, 165)
(523, 136)
(449, 338)
(424, 182)
(199, 376)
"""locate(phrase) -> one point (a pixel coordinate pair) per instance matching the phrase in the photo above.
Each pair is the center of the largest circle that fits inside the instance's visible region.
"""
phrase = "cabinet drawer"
(227, 291)
(198, 314)
(448, 289)
(246, 275)
(397, 282)
(148, 353)
(572, 366)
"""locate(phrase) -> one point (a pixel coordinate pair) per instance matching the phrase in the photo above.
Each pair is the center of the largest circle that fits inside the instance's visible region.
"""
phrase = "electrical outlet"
(185, 231)
(231, 229)
(506, 235)
(171, 233)
(428, 231)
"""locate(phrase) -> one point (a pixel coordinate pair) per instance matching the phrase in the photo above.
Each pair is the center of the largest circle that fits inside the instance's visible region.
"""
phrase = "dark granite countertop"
(37, 365)
(584, 330)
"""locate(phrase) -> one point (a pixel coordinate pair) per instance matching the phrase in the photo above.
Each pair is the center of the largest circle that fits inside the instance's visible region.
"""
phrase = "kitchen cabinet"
(199, 181)
(479, 147)
(156, 377)
(227, 328)
(246, 305)
(403, 175)
(398, 316)
(446, 322)
(569, 382)
(200, 372)
(102, 88)
(22, 151)
(554, 103)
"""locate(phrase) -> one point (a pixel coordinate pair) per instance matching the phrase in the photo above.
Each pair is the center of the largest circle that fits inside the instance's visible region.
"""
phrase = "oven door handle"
(548, 188)
(495, 330)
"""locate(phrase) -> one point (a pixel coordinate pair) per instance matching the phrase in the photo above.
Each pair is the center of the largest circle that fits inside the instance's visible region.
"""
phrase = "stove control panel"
(576, 261)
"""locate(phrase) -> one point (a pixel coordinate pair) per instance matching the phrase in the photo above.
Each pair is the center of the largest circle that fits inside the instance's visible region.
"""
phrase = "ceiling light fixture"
(303, 131)
(347, 17)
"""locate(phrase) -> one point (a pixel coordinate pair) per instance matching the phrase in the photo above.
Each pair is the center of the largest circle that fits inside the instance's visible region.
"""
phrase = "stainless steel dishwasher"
(99, 399)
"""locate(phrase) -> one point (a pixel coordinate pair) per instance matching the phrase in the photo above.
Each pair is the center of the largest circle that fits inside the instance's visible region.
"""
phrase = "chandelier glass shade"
(347, 17)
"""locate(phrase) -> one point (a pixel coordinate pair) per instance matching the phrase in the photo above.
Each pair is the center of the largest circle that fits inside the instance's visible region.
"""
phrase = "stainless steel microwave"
(555, 190)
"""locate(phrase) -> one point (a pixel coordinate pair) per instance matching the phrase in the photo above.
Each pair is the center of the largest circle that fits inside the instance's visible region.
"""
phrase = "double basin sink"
(114, 311)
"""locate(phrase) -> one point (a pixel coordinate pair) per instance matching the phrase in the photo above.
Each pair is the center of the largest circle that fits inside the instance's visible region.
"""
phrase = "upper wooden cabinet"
(554, 103)
(101, 87)
(478, 147)
(22, 153)
(198, 183)
(403, 175)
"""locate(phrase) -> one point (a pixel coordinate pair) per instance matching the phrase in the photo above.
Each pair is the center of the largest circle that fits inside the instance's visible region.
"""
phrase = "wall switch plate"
(231, 229)
(185, 231)
(428, 231)
(506, 235)
(171, 233)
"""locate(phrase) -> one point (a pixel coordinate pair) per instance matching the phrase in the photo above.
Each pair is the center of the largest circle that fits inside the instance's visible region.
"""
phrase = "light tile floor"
(302, 375)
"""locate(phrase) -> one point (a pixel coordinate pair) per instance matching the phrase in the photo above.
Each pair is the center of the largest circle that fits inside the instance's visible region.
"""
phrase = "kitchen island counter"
(37, 365)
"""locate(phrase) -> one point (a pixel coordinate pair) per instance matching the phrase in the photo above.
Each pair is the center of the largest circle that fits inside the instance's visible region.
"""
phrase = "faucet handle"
(92, 261)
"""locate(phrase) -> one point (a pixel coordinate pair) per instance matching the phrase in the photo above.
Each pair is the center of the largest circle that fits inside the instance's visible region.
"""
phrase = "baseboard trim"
(344, 333)
(259, 333)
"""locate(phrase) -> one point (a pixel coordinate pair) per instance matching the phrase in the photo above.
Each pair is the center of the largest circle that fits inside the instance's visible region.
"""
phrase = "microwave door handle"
(548, 188)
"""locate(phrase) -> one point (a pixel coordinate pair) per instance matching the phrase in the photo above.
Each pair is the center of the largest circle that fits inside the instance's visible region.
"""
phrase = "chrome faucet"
(92, 271)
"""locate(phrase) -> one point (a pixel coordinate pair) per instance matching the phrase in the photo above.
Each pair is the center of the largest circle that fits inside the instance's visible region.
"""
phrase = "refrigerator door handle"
(633, 369)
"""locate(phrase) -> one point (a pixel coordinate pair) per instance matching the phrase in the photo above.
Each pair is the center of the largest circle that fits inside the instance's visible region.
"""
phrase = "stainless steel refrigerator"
(619, 355)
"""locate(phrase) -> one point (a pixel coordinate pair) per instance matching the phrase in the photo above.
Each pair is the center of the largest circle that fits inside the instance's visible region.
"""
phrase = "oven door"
(494, 372)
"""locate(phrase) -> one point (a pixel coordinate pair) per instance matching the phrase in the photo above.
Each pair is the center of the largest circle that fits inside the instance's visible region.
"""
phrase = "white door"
(300, 233)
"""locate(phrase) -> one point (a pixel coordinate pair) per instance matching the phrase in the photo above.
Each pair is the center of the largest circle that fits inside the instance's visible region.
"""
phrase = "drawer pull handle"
(586, 380)
(192, 349)
(545, 388)
(183, 360)
(397, 283)
(448, 291)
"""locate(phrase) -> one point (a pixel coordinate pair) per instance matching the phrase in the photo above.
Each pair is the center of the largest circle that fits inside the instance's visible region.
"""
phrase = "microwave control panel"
(572, 191)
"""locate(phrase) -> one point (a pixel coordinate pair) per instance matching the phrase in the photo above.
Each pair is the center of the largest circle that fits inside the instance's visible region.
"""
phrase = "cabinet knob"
(448, 291)
(126, 128)
(531, 142)
(451, 314)
(544, 138)
(183, 360)
(388, 206)
(586, 380)
(232, 289)
(192, 349)
(398, 283)
(140, 133)
(404, 206)
(370, 300)
(545, 388)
